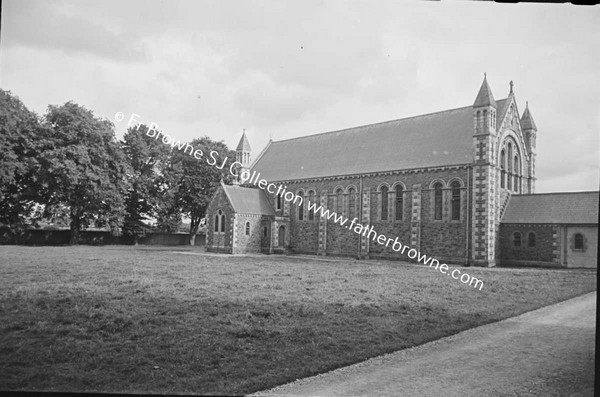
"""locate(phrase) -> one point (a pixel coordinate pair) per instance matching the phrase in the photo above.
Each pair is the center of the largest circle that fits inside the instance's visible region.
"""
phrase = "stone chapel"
(457, 185)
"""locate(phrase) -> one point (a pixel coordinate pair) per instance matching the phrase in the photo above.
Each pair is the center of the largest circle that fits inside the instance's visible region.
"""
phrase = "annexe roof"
(437, 139)
(564, 208)
(246, 200)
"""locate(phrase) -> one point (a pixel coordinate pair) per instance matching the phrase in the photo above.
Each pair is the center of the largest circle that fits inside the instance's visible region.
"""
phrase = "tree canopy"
(68, 164)
(146, 158)
(21, 139)
(83, 168)
(197, 180)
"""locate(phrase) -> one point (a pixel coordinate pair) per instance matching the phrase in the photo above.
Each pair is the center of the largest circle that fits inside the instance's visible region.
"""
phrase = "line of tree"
(69, 164)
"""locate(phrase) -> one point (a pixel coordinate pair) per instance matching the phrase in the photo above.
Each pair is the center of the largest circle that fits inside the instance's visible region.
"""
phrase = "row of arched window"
(347, 202)
(398, 202)
(517, 239)
(220, 224)
(438, 200)
(481, 119)
(578, 240)
(311, 197)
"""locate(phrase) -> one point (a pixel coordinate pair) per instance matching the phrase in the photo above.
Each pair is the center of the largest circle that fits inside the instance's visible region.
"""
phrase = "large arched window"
(455, 200)
(339, 194)
(517, 173)
(517, 239)
(502, 168)
(311, 199)
(217, 219)
(351, 203)
(437, 201)
(222, 221)
(511, 164)
(399, 202)
(531, 239)
(301, 206)
(509, 169)
(384, 203)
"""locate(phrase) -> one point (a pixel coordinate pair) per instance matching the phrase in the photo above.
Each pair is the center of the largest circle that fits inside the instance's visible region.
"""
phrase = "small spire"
(485, 97)
(244, 145)
(511, 86)
(527, 122)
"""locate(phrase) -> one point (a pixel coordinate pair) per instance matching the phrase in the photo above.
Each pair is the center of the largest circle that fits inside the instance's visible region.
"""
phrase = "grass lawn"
(173, 320)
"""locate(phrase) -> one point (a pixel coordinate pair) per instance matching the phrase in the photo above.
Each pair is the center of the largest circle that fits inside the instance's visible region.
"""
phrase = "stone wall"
(217, 241)
(251, 242)
(445, 239)
(544, 253)
(586, 256)
(92, 237)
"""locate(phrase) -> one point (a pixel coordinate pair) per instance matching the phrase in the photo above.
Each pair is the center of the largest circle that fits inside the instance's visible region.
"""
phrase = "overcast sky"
(283, 69)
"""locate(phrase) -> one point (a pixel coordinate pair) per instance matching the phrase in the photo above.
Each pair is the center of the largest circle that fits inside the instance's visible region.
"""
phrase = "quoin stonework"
(443, 183)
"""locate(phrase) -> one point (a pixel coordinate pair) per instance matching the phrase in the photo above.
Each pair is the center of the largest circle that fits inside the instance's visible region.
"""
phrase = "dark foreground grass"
(120, 319)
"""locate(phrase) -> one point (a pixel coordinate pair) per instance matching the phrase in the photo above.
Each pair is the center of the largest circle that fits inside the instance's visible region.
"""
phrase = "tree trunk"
(75, 228)
(194, 226)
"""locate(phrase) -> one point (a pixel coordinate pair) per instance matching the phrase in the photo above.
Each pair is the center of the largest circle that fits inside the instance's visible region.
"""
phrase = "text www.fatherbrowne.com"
(254, 179)
(365, 231)
(368, 232)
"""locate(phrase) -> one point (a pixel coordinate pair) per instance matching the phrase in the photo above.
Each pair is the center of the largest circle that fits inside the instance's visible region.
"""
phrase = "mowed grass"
(173, 320)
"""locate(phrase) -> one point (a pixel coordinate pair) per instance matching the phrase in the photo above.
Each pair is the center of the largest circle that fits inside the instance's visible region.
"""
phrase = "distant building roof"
(437, 139)
(573, 207)
(248, 200)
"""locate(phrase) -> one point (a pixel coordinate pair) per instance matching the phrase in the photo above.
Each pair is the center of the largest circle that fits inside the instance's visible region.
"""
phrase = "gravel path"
(546, 352)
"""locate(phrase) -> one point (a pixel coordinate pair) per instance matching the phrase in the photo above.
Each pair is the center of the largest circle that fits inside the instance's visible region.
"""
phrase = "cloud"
(290, 69)
(45, 25)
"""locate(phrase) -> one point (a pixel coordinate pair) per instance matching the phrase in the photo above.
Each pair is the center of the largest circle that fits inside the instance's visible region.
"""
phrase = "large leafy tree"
(192, 182)
(21, 139)
(83, 168)
(146, 158)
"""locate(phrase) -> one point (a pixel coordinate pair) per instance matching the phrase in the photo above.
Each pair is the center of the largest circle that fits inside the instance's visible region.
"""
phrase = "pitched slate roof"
(437, 139)
(501, 108)
(248, 200)
(484, 97)
(572, 207)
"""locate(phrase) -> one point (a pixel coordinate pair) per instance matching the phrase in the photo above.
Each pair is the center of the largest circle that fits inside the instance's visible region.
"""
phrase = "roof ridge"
(541, 194)
(374, 124)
